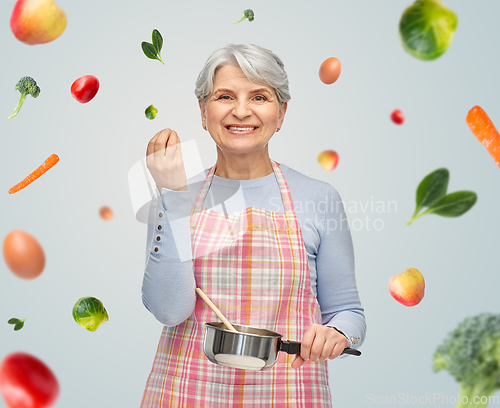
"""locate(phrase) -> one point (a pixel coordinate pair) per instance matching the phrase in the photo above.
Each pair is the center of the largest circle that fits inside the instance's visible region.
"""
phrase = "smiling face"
(241, 115)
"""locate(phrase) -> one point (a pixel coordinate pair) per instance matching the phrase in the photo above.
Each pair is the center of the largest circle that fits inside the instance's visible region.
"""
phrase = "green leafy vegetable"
(246, 14)
(90, 313)
(152, 51)
(432, 187)
(151, 112)
(471, 354)
(27, 86)
(157, 41)
(426, 29)
(18, 323)
(431, 193)
(454, 204)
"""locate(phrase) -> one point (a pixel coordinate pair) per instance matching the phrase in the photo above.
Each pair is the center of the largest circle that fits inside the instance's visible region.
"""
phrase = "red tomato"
(397, 117)
(26, 382)
(85, 88)
(329, 71)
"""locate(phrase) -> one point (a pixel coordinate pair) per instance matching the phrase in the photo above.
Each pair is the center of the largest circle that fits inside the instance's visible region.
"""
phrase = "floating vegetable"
(27, 86)
(152, 51)
(46, 165)
(431, 193)
(85, 88)
(18, 323)
(27, 382)
(426, 29)
(151, 112)
(90, 313)
(397, 117)
(483, 128)
(23, 254)
(246, 14)
(471, 354)
(329, 71)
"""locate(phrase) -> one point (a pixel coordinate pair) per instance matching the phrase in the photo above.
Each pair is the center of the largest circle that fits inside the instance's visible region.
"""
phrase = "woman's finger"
(307, 343)
(337, 350)
(172, 147)
(317, 346)
(327, 349)
(151, 146)
(298, 361)
(161, 144)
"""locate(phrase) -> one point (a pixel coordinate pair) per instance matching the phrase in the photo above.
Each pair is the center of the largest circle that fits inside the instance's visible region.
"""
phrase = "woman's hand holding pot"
(320, 343)
(164, 161)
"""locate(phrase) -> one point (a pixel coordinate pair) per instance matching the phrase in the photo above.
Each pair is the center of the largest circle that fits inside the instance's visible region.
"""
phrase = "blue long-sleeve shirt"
(168, 290)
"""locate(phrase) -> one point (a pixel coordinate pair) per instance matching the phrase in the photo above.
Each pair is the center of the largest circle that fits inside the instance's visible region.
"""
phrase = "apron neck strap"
(283, 186)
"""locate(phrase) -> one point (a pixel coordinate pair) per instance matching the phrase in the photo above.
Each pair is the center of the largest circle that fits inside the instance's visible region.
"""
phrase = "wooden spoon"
(216, 311)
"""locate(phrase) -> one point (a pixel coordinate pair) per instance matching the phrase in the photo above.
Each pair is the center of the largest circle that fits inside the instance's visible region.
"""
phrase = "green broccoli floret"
(26, 85)
(246, 14)
(471, 354)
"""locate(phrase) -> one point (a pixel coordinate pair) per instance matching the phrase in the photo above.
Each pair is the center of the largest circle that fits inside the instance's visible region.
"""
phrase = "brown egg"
(329, 71)
(106, 213)
(23, 254)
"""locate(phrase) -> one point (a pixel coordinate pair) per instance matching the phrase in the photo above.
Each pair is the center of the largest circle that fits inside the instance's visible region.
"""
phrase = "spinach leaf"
(157, 41)
(18, 323)
(152, 51)
(431, 193)
(432, 187)
(454, 204)
(149, 50)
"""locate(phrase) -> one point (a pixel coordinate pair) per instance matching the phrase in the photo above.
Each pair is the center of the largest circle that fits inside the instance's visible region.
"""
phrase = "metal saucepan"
(249, 348)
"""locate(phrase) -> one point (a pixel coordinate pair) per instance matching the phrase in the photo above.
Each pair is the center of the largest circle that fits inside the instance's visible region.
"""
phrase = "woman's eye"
(225, 97)
(260, 98)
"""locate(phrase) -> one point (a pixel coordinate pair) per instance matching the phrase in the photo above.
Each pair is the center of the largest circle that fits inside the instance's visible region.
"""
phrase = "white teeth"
(241, 128)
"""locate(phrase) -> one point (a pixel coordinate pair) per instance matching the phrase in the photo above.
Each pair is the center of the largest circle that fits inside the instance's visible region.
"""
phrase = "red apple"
(407, 287)
(328, 159)
(37, 21)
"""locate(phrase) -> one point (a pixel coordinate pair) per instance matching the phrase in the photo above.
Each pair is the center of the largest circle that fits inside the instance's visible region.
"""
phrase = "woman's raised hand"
(164, 161)
(320, 343)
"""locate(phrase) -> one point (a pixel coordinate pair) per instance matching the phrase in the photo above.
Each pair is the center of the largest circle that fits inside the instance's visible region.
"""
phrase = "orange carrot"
(484, 130)
(46, 165)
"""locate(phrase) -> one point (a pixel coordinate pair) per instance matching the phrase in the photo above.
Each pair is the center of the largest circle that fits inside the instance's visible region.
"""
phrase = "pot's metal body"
(250, 348)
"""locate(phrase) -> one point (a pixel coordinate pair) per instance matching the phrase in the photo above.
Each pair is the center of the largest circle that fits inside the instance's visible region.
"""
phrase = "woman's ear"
(203, 116)
(282, 112)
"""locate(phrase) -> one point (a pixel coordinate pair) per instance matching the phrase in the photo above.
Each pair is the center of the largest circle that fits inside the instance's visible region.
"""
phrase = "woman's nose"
(241, 110)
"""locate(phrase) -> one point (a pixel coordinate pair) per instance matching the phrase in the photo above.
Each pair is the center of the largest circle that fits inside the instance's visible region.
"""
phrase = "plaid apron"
(254, 268)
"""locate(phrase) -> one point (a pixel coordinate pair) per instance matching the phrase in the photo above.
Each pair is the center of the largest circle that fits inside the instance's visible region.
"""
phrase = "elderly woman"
(270, 259)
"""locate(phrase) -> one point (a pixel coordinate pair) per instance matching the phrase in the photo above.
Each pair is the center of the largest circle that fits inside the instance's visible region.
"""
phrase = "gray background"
(100, 141)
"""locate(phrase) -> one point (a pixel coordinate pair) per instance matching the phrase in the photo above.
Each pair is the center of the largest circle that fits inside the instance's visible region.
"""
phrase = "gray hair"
(257, 63)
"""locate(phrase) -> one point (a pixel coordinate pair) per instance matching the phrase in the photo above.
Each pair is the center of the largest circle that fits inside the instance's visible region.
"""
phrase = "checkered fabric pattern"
(254, 268)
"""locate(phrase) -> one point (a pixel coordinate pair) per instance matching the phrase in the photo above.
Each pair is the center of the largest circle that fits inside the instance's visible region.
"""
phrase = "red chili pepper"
(85, 88)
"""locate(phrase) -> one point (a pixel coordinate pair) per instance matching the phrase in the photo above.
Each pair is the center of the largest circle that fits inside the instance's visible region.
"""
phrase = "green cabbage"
(90, 313)
(426, 29)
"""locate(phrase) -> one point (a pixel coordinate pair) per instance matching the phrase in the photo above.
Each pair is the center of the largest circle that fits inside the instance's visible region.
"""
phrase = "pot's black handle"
(351, 351)
(290, 347)
(293, 347)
